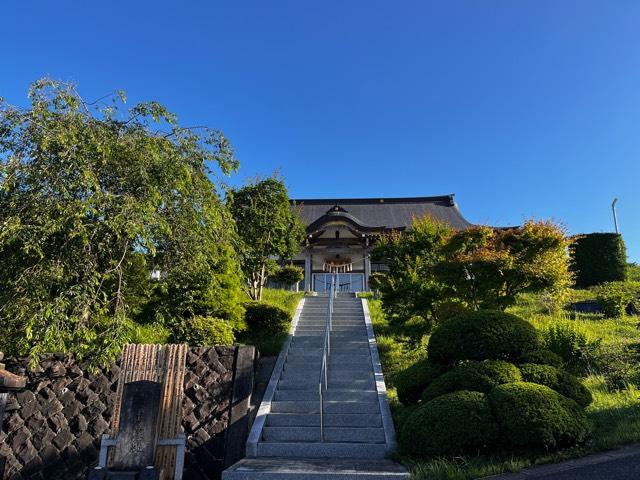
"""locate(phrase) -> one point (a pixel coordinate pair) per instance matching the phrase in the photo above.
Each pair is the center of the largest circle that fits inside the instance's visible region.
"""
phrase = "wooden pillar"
(367, 270)
(239, 415)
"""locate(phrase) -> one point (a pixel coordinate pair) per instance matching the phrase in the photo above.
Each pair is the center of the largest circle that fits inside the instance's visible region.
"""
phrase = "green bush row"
(474, 397)
(512, 416)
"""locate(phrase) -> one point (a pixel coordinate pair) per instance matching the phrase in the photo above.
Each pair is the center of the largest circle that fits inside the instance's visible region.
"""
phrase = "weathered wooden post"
(135, 445)
(8, 383)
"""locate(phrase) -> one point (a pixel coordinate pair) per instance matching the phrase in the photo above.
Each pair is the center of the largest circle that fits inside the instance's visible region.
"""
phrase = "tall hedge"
(598, 258)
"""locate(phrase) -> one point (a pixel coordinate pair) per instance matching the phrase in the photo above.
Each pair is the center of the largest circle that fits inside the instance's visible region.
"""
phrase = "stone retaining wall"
(52, 430)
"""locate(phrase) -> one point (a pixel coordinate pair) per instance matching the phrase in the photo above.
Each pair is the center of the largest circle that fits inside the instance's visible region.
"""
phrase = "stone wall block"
(52, 430)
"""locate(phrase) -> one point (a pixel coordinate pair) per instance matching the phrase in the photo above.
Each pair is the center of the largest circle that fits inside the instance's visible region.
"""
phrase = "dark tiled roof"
(386, 212)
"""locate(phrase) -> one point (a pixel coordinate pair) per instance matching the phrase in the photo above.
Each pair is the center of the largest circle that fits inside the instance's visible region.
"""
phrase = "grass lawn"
(615, 414)
(271, 345)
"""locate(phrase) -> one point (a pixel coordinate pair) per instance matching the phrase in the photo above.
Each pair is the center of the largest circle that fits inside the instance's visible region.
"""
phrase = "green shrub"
(151, 333)
(633, 272)
(449, 309)
(500, 371)
(619, 365)
(206, 331)
(542, 374)
(417, 327)
(288, 275)
(571, 387)
(543, 357)
(573, 345)
(535, 416)
(267, 319)
(483, 335)
(452, 424)
(616, 297)
(598, 258)
(472, 376)
(559, 380)
(411, 381)
(401, 414)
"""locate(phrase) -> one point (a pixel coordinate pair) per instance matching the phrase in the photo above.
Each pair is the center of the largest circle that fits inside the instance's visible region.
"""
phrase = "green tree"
(91, 197)
(432, 266)
(487, 268)
(288, 275)
(410, 287)
(268, 228)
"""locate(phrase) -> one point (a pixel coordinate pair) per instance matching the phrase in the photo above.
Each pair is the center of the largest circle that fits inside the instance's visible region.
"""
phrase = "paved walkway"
(621, 464)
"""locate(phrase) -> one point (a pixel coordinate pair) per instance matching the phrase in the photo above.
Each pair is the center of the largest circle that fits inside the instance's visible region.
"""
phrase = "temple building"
(341, 232)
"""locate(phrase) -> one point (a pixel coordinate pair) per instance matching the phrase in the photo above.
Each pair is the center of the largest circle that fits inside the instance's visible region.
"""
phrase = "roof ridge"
(372, 200)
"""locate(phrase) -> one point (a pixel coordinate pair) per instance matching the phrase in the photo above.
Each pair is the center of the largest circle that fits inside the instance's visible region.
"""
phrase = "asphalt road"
(622, 464)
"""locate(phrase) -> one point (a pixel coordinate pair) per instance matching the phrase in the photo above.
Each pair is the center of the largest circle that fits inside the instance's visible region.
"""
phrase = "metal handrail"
(326, 352)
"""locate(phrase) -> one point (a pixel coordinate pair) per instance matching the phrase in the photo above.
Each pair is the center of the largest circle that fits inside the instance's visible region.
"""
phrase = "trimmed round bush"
(472, 376)
(561, 381)
(266, 318)
(400, 415)
(500, 371)
(535, 416)
(452, 424)
(207, 331)
(570, 386)
(542, 374)
(543, 357)
(483, 335)
(411, 381)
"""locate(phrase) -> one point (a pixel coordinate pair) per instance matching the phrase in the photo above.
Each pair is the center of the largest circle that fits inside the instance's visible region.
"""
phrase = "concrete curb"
(546, 470)
(385, 411)
(265, 405)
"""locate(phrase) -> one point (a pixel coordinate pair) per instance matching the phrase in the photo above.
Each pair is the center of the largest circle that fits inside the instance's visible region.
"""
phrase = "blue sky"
(522, 109)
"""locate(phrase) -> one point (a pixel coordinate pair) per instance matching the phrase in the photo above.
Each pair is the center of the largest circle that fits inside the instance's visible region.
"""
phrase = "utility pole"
(615, 217)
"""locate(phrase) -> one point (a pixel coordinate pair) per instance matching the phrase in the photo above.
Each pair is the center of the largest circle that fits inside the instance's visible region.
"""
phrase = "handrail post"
(321, 416)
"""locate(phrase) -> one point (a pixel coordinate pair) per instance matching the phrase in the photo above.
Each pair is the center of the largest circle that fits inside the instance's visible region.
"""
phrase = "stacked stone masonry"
(52, 430)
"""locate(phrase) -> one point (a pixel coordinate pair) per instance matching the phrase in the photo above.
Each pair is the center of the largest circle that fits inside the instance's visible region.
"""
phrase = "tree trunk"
(261, 282)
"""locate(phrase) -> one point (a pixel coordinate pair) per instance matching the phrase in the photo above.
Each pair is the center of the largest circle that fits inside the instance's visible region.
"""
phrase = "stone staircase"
(285, 441)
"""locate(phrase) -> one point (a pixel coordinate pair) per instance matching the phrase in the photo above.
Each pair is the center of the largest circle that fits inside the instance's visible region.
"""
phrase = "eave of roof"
(372, 200)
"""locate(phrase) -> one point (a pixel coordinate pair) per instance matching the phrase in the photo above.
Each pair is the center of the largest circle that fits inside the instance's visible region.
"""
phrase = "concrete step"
(310, 339)
(322, 450)
(334, 375)
(329, 395)
(316, 363)
(312, 384)
(358, 365)
(336, 321)
(283, 406)
(336, 349)
(303, 369)
(370, 420)
(334, 356)
(336, 327)
(278, 468)
(345, 323)
(340, 336)
(331, 434)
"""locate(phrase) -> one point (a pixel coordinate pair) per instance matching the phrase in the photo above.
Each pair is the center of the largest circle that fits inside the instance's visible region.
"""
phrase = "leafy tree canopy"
(93, 197)
(289, 275)
(481, 267)
(268, 228)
